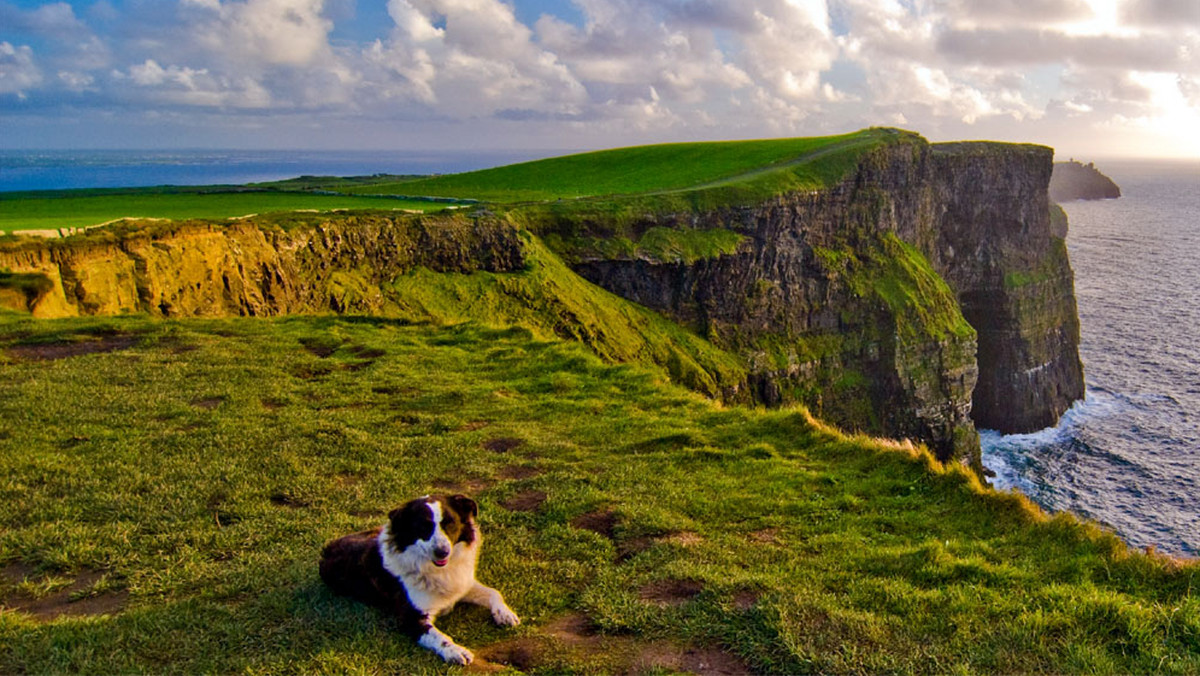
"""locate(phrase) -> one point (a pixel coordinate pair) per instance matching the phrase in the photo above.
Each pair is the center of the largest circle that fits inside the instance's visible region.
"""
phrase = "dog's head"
(432, 525)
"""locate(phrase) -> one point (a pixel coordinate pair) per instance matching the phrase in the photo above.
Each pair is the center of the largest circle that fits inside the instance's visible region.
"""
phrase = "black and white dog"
(417, 565)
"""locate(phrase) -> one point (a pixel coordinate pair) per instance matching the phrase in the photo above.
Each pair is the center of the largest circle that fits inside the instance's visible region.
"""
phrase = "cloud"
(191, 87)
(18, 73)
(1018, 46)
(469, 57)
(1020, 12)
(269, 32)
(1162, 13)
(620, 70)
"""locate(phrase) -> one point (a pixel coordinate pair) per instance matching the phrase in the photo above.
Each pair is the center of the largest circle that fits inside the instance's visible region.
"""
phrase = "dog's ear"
(464, 506)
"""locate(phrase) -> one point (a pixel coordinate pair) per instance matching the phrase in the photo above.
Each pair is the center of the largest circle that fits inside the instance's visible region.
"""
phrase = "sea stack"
(1077, 181)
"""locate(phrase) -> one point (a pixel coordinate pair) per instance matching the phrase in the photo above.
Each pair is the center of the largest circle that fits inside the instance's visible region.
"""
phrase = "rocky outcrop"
(247, 269)
(848, 299)
(1076, 181)
(1001, 246)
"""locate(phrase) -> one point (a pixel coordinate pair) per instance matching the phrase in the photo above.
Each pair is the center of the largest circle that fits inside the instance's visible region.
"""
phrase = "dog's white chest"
(437, 590)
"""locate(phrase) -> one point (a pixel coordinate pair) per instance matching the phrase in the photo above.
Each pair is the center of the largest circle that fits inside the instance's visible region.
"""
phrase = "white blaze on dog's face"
(429, 527)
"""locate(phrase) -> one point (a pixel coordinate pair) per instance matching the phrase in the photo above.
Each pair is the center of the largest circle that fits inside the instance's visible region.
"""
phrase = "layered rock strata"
(837, 296)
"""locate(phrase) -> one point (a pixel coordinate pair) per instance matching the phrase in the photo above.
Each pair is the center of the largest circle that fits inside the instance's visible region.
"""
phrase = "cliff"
(869, 301)
(1076, 181)
(908, 290)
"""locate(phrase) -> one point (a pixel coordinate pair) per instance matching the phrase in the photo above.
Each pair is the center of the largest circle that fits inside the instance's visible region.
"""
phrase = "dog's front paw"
(456, 654)
(504, 616)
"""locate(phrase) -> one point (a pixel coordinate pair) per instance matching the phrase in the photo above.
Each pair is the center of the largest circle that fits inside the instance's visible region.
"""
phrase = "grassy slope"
(35, 211)
(551, 300)
(201, 470)
(767, 167)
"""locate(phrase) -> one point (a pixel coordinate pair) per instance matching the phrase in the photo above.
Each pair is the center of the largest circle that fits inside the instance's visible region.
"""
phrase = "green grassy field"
(671, 177)
(166, 486)
(766, 167)
(75, 209)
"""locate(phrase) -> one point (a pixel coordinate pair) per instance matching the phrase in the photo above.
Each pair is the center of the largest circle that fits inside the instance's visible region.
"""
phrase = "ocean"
(1128, 456)
(66, 169)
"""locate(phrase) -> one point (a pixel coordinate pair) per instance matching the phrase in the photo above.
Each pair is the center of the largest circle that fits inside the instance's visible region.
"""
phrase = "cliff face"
(1001, 245)
(209, 270)
(838, 299)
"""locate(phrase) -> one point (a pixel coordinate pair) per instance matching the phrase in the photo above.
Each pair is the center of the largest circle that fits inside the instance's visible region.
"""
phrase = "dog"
(416, 566)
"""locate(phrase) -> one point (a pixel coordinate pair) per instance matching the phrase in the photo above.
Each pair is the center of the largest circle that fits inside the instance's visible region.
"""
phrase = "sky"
(1093, 78)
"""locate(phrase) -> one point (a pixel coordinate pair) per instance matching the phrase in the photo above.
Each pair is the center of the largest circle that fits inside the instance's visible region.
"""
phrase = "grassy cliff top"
(764, 167)
(168, 486)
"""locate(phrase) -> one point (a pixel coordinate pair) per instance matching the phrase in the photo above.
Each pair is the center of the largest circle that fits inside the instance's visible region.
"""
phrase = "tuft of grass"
(199, 470)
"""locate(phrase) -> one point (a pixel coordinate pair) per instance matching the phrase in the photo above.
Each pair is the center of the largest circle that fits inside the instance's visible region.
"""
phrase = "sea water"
(1128, 456)
(66, 169)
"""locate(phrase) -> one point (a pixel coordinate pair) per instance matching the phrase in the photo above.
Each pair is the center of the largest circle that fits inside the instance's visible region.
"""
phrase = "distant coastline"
(29, 170)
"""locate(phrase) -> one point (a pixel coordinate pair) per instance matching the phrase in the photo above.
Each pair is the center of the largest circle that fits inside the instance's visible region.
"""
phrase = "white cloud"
(269, 32)
(196, 87)
(18, 72)
(469, 58)
(629, 70)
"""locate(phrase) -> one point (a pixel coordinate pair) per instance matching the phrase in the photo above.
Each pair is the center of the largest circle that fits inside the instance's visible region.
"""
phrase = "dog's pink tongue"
(440, 563)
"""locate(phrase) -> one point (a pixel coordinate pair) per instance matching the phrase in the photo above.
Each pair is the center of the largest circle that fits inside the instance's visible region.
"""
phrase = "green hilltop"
(758, 168)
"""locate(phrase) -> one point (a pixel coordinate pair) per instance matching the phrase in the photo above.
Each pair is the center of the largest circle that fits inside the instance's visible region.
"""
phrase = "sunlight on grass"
(197, 467)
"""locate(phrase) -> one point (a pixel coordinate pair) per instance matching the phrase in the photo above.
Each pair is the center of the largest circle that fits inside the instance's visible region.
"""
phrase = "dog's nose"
(440, 553)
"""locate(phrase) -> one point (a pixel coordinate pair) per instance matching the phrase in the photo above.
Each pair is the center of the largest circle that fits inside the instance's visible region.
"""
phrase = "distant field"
(652, 169)
(73, 209)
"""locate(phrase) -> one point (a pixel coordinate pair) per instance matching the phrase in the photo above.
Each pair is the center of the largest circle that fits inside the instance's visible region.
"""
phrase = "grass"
(551, 301)
(194, 469)
(77, 209)
(765, 167)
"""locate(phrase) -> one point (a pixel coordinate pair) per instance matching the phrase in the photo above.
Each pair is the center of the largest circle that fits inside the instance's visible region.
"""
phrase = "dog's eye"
(446, 523)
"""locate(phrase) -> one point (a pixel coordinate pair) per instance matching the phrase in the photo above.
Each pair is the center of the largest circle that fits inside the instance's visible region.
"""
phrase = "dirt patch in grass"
(745, 599)
(273, 404)
(627, 549)
(52, 351)
(766, 536)
(394, 390)
(473, 426)
(571, 639)
(312, 371)
(358, 365)
(672, 657)
(363, 352)
(601, 522)
(321, 347)
(527, 501)
(518, 472)
(670, 592)
(684, 538)
(208, 403)
(503, 444)
(64, 601)
(469, 485)
(284, 499)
